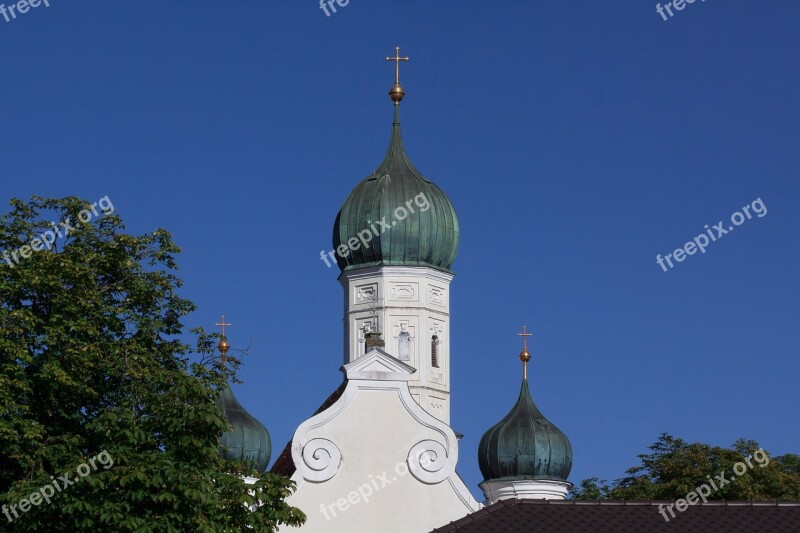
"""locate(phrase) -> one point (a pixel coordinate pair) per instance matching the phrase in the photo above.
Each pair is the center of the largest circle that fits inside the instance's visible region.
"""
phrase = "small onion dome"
(525, 445)
(247, 440)
(383, 202)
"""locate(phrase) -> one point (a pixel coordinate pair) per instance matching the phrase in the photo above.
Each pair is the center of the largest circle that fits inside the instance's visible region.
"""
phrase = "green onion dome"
(247, 440)
(525, 445)
(401, 217)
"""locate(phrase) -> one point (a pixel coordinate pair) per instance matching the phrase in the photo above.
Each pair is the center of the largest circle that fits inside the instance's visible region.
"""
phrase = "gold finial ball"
(397, 94)
(223, 346)
(524, 356)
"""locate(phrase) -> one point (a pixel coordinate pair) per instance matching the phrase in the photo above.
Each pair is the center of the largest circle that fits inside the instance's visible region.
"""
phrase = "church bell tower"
(395, 239)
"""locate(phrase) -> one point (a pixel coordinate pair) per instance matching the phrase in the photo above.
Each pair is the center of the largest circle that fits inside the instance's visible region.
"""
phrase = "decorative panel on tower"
(437, 407)
(366, 293)
(404, 292)
(437, 296)
(404, 339)
(410, 308)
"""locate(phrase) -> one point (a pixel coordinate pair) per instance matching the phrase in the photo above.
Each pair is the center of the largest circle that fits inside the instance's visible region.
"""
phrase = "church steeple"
(396, 238)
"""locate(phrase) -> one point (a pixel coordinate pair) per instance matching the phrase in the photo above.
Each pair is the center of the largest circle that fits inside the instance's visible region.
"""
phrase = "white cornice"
(530, 489)
(397, 271)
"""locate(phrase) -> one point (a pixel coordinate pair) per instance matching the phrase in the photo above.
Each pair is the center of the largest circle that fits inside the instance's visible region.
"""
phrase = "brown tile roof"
(284, 465)
(545, 516)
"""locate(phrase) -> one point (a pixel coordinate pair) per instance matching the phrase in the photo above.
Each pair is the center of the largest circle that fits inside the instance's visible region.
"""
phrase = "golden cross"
(223, 324)
(524, 356)
(397, 59)
(223, 345)
(524, 334)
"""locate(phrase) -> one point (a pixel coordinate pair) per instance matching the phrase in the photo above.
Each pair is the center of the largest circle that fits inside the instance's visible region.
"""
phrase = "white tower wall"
(412, 304)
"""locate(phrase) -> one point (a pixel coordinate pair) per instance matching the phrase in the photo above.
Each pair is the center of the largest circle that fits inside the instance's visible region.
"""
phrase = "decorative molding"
(319, 459)
(304, 470)
(427, 461)
(361, 327)
(364, 294)
(531, 489)
(404, 291)
(437, 406)
(437, 295)
(437, 313)
(413, 305)
(379, 366)
(322, 459)
(397, 271)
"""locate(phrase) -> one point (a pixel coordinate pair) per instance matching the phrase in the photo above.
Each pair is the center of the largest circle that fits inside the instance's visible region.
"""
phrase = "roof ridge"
(753, 503)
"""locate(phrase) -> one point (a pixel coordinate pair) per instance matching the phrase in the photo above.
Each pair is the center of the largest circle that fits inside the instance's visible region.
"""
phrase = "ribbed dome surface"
(426, 237)
(525, 444)
(248, 440)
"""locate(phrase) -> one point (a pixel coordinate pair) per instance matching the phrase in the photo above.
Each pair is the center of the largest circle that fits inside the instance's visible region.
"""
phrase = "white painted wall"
(375, 461)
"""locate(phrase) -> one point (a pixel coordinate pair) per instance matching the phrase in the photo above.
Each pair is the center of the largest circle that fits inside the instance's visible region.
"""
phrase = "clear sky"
(577, 140)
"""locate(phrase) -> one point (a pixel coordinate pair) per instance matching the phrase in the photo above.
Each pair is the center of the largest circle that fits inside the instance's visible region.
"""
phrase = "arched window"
(435, 351)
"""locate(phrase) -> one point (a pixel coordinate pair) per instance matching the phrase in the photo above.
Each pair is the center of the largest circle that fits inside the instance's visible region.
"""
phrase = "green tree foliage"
(673, 468)
(91, 360)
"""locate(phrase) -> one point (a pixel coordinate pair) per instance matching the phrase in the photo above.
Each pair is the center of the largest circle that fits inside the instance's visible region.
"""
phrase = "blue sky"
(577, 140)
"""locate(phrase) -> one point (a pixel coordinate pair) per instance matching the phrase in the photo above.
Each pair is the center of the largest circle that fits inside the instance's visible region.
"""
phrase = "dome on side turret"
(524, 444)
(247, 440)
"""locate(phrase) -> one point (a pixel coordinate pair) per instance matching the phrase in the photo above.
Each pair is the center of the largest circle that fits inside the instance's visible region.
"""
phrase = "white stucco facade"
(375, 461)
(412, 307)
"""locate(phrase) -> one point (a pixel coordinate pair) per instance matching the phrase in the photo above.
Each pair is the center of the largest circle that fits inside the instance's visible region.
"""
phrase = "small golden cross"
(223, 345)
(524, 356)
(397, 59)
(223, 324)
(524, 334)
